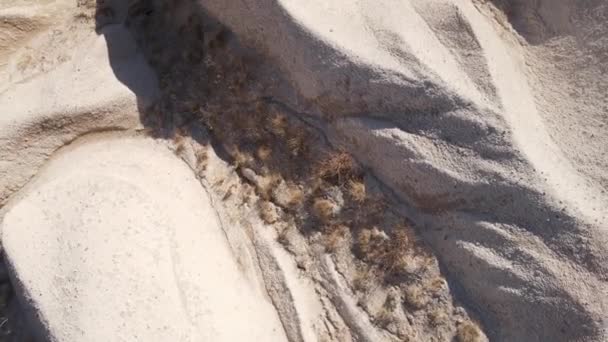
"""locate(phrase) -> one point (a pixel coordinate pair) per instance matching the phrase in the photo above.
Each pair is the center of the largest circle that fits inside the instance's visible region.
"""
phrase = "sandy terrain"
(305, 170)
(127, 246)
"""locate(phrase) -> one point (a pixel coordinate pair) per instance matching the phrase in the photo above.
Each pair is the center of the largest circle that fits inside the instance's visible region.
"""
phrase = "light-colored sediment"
(442, 100)
(64, 82)
(485, 120)
(138, 216)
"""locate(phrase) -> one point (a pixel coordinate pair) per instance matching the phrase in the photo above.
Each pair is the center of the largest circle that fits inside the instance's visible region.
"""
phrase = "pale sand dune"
(127, 246)
(487, 120)
(39, 111)
(501, 201)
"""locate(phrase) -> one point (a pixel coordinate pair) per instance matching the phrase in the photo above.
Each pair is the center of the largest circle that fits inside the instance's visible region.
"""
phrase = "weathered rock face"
(483, 126)
(436, 98)
(127, 246)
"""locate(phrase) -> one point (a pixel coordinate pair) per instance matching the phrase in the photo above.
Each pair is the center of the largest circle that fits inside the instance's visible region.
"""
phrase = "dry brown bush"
(437, 317)
(468, 332)
(264, 152)
(357, 191)
(415, 297)
(202, 158)
(333, 236)
(337, 167)
(268, 212)
(296, 197)
(323, 209)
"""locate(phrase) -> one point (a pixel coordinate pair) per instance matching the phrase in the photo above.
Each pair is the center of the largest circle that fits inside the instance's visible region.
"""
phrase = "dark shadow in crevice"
(173, 37)
(537, 21)
(14, 325)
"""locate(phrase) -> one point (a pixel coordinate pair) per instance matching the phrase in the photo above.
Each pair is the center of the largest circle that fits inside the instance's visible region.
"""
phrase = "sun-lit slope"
(64, 81)
(138, 216)
(436, 98)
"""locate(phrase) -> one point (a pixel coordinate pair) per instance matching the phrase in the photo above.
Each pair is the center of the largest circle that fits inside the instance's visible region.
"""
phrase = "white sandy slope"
(128, 209)
(63, 82)
(441, 100)
(496, 147)
(122, 256)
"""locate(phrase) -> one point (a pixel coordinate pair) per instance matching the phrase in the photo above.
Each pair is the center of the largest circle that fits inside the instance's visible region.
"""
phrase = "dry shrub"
(357, 191)
(86, 3)
(437, 285)
(296, 197)
(384, 318)
(468, 332)
(333, 236)
(266, 184)
(437, 317)
(263, 152)
(323, 209)
(278, 125)
(337, 167)
(364, 243)
(202, 158)
(391, 254)
(400, 245)
(386, 315)
(268, 212)
(283, 236)
(362, 281)
(241, 158)
(296, 145)
(415, 297)
(180, 143)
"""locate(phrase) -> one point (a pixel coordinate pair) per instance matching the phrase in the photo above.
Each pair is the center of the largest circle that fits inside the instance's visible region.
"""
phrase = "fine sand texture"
(442, 100)
(127, 246)
(288, 170)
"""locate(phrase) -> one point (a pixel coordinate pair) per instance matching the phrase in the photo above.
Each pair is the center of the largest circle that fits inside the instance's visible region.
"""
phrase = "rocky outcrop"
(435, 98)
(343, 125)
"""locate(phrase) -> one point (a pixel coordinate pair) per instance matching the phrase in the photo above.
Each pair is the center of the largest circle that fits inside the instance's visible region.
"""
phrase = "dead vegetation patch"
(319, 190)
(469, 332)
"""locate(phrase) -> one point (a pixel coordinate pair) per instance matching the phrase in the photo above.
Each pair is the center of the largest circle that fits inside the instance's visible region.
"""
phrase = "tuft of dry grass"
(241, 159)
(437, 285)
(268, 212)
(278, 125)
(362, 280)
(364, 242)
(390, 251)
(357, 191)
(283, 236)
(86, 3)
(334, 236)
(337, 167)
(266, 184)
(437, 317)
(296, 145)
(202, 159)
(397, 254)
(180, 148)
(264, 152)
(394, 254)
(415, 297)
(296, 197)
(468, 332)
(386, 315)
(323, 209)
(384, 318)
